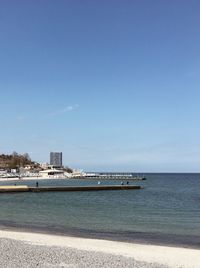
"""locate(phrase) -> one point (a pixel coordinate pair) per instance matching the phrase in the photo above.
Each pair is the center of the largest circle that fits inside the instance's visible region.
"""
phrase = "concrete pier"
(25, 188)
(114, 176)
(14, 188)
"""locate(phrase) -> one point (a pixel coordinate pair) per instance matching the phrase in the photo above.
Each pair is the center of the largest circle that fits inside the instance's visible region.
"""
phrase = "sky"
(114, 85)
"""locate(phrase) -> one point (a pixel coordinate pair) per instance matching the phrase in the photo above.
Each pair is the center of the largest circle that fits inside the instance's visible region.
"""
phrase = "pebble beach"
(19, 254)
(21, 249)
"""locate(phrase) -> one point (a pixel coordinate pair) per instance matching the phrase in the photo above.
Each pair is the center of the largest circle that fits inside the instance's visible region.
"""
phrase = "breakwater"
(114, 176)
(25, 188)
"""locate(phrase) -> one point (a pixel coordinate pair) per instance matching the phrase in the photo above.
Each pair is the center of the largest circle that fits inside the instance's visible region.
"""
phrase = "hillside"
(15, 161)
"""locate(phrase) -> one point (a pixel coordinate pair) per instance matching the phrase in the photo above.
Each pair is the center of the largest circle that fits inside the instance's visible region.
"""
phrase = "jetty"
(25, 188)
(114, 176)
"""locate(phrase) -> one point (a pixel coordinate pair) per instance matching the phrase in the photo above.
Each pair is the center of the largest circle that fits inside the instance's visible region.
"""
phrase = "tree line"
(15, 160)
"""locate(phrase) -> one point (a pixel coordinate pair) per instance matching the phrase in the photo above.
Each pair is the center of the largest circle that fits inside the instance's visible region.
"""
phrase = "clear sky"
(114, 85)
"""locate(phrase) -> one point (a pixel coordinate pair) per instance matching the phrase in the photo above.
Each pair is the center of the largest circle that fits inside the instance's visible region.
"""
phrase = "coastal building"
(51, 173)
(56, 159)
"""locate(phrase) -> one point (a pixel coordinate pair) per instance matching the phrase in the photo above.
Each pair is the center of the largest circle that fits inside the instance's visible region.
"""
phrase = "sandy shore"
(23, 249)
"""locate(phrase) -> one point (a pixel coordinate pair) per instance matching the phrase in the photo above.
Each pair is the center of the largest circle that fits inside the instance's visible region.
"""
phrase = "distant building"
(52, 173)
(44, 165)
(56, 159)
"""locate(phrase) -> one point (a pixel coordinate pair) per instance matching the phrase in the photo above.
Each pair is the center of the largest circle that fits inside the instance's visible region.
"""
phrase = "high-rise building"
(56, 159)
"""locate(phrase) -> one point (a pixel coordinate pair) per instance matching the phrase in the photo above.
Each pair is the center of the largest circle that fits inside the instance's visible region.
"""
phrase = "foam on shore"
(164, 255)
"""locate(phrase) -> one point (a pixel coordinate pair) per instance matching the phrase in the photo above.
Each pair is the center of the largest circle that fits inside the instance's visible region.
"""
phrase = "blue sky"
(114, 85)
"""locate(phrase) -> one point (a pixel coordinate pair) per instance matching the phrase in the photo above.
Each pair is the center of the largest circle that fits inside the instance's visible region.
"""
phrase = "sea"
(165, 211)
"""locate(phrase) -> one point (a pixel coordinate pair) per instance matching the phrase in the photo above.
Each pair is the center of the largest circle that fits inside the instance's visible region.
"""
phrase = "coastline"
(161, 199)
(159, 239)
(6, 179)
(159, 256)
(15, 179)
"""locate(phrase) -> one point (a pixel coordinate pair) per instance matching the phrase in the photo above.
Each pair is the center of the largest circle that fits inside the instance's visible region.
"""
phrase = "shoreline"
(7, 179)
(159, 239)
(165, 256)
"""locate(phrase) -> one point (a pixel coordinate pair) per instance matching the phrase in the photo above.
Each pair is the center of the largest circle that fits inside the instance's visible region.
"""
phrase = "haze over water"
(167, 210)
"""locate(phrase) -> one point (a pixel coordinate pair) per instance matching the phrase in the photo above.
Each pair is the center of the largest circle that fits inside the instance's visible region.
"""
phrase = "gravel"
(17, 254)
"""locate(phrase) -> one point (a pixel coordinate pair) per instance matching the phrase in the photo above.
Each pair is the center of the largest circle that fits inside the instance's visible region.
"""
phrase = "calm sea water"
(166, 211)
